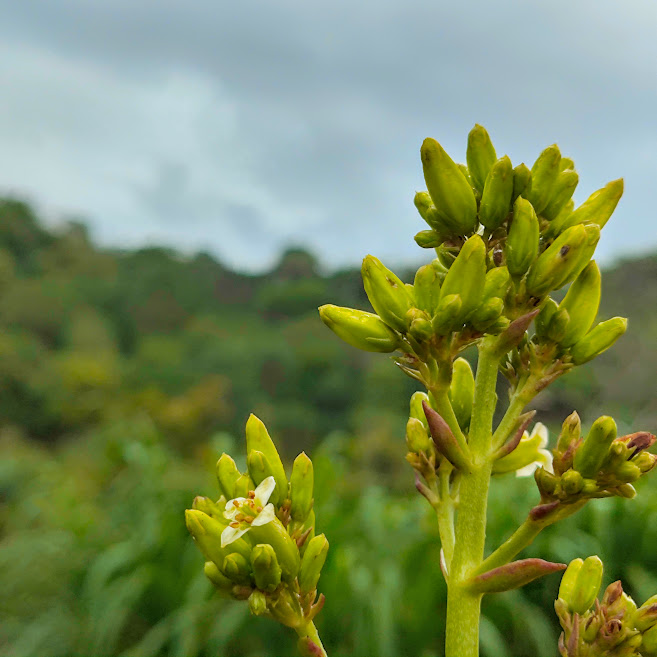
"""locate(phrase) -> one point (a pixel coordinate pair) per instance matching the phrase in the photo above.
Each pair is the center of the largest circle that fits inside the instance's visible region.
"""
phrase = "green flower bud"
(566, 163)
(461, 392)
(236, 568)
(585, 591)
(544, 318)
(210, 508)
(266, 571)
(572, 482)
(416, 410)
(627, 472)
(569, 580)
(259, 469)
(571, 432)
(581, 302)
(645, 461)
(258, 603)
(562, 192)
(207, 534)
(619, 605)
(446, 255)
(544, 175)
(448, 316)
(429, 239)
(423, 203)
(598, 208)
(258, 440)
(646, 615)
(521, 247)
(626, 490)
(312, 563)
(498, 326)
(450, 191)
(556, 226)
(243, 485)
(598, 340)
(417, 437)
(649, 642)
(428, 280)
(496, 197)
(556, 262)
(558, 325)
(480, 156)
(521, 177)
(220, 581)
(547, 482)
(286, 549)
(227, 475)
(487, 313)
(593, 451)
(583, 256)
(618, 453)
(419, 324)
(466, 277)
(466, 173)
(360, 329)
(497, 283)
(301, 487)
(387, 293)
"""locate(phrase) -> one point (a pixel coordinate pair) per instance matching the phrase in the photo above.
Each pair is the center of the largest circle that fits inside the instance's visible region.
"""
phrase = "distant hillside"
(89, 334)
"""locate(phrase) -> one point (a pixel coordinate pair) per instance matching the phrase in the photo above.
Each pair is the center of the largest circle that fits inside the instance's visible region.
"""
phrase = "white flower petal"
(265, 489)
(541, 430)
(527, 471)
(231, 534)
(265, 516)
(545, 457)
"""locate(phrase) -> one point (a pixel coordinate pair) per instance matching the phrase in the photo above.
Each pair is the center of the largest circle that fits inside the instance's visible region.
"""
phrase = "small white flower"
(538, 440)
(247, 512)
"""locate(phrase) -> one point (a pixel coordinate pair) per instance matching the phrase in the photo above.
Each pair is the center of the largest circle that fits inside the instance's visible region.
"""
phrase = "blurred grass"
(95, 558)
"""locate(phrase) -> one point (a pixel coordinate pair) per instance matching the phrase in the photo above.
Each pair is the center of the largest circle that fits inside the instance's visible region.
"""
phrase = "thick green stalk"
(463, 606)
(309, 630)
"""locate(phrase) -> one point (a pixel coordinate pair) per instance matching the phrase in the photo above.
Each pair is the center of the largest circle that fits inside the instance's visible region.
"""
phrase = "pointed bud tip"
(194, 521)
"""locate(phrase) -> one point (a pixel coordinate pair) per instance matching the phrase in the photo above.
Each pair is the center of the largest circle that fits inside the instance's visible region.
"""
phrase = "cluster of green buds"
(599, 465)
(258, 539)
(504, 239)
(610, 627)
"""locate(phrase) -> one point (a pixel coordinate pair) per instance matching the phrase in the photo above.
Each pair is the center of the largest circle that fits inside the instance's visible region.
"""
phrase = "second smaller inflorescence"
(258, 539)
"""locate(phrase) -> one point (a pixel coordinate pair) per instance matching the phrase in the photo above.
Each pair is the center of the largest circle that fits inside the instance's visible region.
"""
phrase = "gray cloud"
(243, 127)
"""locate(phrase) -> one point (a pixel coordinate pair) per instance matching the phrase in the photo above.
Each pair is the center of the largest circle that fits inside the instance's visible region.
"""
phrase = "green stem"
(519, 400)
(463, 606)
(523, 537)
(309, 630)
(445, 513)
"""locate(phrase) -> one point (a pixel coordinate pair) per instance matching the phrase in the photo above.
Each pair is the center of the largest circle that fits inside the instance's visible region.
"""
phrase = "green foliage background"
(124, 375)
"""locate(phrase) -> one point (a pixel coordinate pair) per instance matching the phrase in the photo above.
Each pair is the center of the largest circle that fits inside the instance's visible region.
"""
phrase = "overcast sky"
(244, 127)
